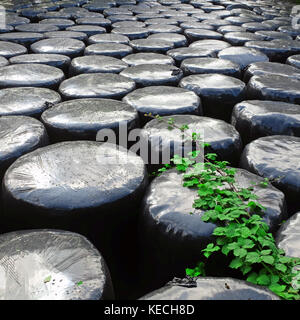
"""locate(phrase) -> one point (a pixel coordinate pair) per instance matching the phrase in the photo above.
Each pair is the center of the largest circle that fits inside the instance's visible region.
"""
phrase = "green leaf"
(281, 267)
(245, 232)
(253, 257)
(236, 263)
(79, 283)
(276, 288)
(246, 268)
(263, 280)
(252, 277)
(240, 252)
(265, 252)
(47, 279)
(267, 259)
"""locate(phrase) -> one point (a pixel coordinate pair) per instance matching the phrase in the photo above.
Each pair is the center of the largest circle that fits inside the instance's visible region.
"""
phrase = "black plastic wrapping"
(223, 138)
(23, 38)
(26, 101)
(242, 56)
(116, 50)
(153, 74)
(211, 289)
(294, 61)
(81, 119)
(30, 75)
(66, 46)
(171, 238)
(287, 237)
(96, 64)
(52, 265)
(219, 93)
(54, 60)
(163, 100)
(276, 157)
(147, 58)
(276, 51)
(257, 118)
(264, 68)
(274, 87)
(10, 49)
(18, 136)
(81, 186)
(151, 45)
(210, 65)
(96, 85)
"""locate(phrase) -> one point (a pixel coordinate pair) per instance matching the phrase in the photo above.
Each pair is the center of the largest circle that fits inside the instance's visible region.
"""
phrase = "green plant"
(241, 232)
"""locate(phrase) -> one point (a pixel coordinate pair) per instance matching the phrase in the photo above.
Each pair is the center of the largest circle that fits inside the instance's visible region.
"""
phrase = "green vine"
(241, 232)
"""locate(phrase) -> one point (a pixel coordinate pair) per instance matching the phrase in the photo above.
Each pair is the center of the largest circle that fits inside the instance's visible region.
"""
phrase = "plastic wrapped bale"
(230, 28)
(180, 54)
(223, 138)
(274, 87)
(30, 75)
(210, 65)
(161, 21)
(128, 24)
(52, 265)
(96, 64)
(256, 26)
(257, 118)
(18, 136)
(276, 51)
(136, 59)
(211, 289)
(172, 233)
(3, 62)
(54, 60)
(293, 44)
(80, 186)
(294, 61)
(163, 100)
(163, 28)
(242, 56)
(276, 157)
(96, 85)
(290, 30)
(66, 34)
(263, 68)
(287, 237)
(272, 35)
(60, 23)
(10, 49)
(81, 119)
(195, 25)
(23, 38)
(108, 38)
(210, 44)
(65, 46)
(153, 74)
(132, 32)
(151, 45)
(219, 93)
(240, 38)
(179, 40)
(201, 34)
(36, 27)
(26, 101)
(116, 50)
(89, 30)
(238, 21)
